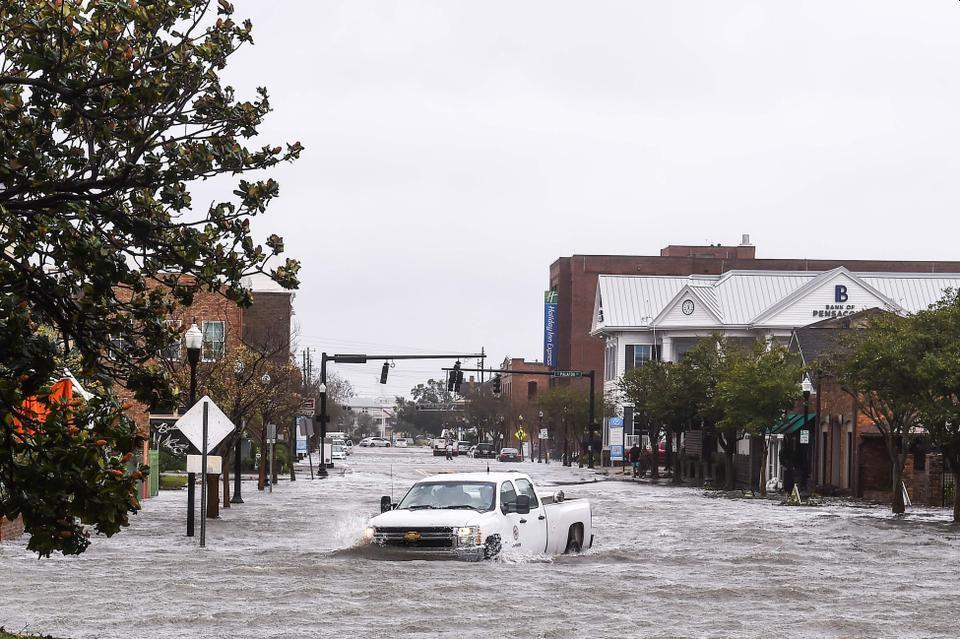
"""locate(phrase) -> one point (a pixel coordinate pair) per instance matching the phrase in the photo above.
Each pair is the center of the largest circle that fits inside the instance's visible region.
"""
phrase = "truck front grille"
(414, 537)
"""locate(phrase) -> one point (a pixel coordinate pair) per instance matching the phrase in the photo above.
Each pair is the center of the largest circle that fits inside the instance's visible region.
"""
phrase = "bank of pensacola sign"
(839, 308)
(550, 299)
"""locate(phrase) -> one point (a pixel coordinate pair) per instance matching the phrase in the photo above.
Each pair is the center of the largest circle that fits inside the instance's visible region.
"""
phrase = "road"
(668, 561)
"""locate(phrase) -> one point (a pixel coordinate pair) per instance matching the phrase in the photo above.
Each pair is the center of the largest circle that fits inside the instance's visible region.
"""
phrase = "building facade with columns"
(640, 318)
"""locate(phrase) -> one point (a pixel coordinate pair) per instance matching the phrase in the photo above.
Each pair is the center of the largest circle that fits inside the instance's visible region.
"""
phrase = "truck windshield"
(450, 495)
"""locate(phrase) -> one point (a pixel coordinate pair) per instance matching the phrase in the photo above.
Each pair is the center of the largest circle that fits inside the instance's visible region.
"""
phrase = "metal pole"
(591, 418)
(540, 440)
(566, 449)
(293, 450)
(203, 481)
(192, 358)
(270, 470)
(805, 470)
(322, 472)
(237, 452)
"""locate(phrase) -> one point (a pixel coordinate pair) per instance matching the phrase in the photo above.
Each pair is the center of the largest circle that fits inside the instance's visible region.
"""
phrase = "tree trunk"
(213, 497)
(898, 506)
(262, 472)
(728, 443)
(763, 467)
(956, 495)
(226, 482)
(668, 457)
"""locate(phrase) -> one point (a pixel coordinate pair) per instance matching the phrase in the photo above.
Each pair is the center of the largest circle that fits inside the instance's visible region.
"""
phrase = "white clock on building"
(687, 307)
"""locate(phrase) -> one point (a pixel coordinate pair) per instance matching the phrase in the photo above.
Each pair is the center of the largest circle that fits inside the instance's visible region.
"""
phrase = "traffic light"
(383, 372)
(455, 379)
(496, 384)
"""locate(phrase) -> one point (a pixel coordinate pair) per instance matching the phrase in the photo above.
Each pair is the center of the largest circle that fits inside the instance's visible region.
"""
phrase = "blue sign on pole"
(550, 299)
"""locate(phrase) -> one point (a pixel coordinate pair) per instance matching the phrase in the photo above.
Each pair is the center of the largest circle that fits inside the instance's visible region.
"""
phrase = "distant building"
(574, 280)
(641, 318)
(521, 392)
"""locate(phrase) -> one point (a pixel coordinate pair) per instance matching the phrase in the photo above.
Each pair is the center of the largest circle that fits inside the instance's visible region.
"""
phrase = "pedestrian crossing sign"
(520, 434)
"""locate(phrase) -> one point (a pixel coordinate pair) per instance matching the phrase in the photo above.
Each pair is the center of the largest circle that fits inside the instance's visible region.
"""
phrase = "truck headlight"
(468, 535)
(368, 533)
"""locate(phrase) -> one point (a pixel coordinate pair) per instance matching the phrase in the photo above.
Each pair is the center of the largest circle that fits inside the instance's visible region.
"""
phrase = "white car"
(337, 451)
(478, 515)
(400, 443)
(374, 442)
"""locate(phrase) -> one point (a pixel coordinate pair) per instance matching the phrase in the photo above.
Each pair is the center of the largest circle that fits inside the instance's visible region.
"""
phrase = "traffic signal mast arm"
(558, 374)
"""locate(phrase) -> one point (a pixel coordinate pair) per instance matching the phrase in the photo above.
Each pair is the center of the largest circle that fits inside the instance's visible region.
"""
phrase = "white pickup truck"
(476, 515)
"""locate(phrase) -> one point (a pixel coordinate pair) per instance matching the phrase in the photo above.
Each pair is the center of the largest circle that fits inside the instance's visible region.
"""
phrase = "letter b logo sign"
(840, 294)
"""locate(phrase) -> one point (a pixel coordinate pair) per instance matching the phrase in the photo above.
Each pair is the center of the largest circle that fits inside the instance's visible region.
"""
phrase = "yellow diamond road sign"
(521, 435)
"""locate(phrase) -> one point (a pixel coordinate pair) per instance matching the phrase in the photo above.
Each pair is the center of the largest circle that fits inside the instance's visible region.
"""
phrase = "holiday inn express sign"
(550, 299)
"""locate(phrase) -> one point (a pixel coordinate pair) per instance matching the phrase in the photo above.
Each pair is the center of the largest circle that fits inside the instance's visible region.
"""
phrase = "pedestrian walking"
(635, 454)
(449, 450)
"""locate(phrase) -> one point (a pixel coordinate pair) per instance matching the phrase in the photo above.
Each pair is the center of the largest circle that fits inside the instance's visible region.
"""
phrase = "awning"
(791, 424)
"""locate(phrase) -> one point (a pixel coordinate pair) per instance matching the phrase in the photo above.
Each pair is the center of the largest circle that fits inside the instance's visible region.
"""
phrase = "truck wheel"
(574, 539)
(492, 547)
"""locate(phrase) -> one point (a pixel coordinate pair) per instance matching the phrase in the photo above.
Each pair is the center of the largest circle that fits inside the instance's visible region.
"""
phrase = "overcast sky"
(455, 149)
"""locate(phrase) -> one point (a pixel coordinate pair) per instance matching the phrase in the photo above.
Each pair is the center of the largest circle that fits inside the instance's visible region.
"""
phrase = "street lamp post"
(807, 388)
(238, 450)
(322, 470)
(265, 381)
(566, 450)
(521, 432)
(540, 439)
(194, 340)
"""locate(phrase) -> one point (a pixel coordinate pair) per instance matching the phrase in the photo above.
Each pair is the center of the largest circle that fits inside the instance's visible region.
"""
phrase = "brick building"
(265, 326)
(520, 392)
(575, 278)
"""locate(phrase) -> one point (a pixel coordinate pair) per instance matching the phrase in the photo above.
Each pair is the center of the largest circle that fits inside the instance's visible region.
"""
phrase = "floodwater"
(667, 562)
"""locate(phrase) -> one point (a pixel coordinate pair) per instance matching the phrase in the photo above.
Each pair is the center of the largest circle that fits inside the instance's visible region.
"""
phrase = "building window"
(172, 352)
(117, 345)
(214, 340)
(610, 362)
(531, 390)
(643, 353)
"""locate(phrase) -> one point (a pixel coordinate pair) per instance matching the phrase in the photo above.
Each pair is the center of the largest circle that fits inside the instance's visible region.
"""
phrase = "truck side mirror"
(385, 504)
(523, 504)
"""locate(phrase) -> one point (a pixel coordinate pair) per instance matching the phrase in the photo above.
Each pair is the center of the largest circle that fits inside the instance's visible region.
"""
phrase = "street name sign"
(214, 464)
(543, 433)
(566, 374)
(218, 425)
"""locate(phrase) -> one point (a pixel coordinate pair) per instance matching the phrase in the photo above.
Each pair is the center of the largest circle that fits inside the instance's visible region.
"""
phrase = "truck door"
(533, 526)
(511, 537)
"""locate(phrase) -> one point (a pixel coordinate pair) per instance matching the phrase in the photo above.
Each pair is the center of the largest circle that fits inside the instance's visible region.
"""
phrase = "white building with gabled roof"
(660, 317)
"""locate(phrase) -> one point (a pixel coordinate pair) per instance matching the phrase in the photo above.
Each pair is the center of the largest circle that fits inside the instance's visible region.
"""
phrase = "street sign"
(214, 464)
(309, 406)
(306, 427)
(271, 433)
(543, 433)
(804, 436)
(218, 425)
(521, 435)
(566, 374)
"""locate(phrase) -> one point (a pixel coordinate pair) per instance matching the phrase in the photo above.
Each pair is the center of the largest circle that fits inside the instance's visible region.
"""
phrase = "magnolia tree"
(111, 110)
(880, 370)
(757, 386)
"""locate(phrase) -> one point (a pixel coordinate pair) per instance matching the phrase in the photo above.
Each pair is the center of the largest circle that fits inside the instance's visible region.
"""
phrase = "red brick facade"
(521, 391)
(10, 529)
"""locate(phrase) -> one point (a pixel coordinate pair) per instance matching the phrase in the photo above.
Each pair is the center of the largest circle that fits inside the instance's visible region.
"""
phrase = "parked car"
(337, 451)
(470, 452)
(481, 451)
(440, 447)
(373, 442)
(474, 516)
(509, 454)
(463, 447)
(400, 443)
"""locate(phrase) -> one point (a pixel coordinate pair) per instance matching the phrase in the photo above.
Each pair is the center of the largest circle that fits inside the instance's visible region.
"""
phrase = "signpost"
(565, 373)
(271, 439)
(306, 429)
(205, 426)
(616, 434)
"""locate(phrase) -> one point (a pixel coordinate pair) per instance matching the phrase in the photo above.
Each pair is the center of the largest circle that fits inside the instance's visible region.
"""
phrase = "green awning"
(791, 424)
